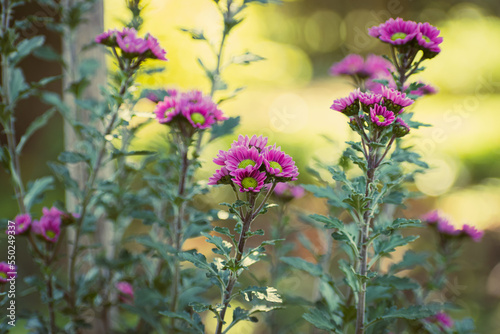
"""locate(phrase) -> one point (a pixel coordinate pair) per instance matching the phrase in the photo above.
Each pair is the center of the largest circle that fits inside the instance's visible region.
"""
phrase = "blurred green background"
(288, 96)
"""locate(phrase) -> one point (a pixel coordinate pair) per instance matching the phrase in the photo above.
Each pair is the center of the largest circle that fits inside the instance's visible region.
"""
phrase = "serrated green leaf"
(384, 247)
(409, 261)
(17, 84)
(223, 247)
(399, 283)
(350, 276)
(193, 320)
(411, 313)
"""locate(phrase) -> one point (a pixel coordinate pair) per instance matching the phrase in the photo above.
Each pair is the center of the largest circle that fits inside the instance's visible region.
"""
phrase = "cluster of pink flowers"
(131, 45)
(445, 228)
(250, 165)
(6, 272)
(193, 108)
(47, 227)
(382, 108)
(373, 67)
(288, 191)
(126, 292)
(401, 33)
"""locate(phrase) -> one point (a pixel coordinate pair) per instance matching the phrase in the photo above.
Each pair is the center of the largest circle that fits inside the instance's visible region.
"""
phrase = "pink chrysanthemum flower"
(22, 223)
(259, 142)
(155, 50)
(426, 89)
(52, 213)
(199, 115)
(280, 164)
(288, 191)
(400, 129)
(130, 44)
(445, 227)
(241, 157)
(107, 38)
(351, 65)
(432, 217)
(349, 106)
(5, 272)
(395, 100)
(428, 39)
(126, 292)
(221, 176)
(221, 158)
(395, 31)
(167, 110)
(442, 319)
(368, 100)
(48, 227)
(249, 179)
(381, 116)
(376, 66)
(472, 232)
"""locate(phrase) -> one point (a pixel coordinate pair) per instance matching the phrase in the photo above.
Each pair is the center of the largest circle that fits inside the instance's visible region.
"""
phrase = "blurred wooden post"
(73, 57)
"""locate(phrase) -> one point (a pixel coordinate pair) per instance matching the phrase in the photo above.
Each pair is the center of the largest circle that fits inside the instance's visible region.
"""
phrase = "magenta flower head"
(280, 165)
(472, 232)
(395, 31)
(188, 111)
(442, 319)
(349, 106)
(221, 158)
(428, 39)
(221, 176)
(351, 65)
(249, 179)
(49, 226)
(426, 89)
(155, 51)
(7, 272)
(199, 115)
(259, 142)
(288, 192)
(107, 38)
(368, 100)
(376, 66)
(432, 217)
(395, 100)
(381, 116)
(126, 292)
(130, 44)
(241, 157)
(400, 128)
(22, 224)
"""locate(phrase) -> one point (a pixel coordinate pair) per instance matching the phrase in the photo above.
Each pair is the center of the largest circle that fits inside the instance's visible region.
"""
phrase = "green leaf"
(225, 128)
(301, 264)
(411, 313)
(399, 283)
(37, 190)
(71, 157)
(246, 58)
(193, 320)
(38, 123)
(267, 293)
(342, 233)
(195, 33)
(198, 259)
(331, 297)
(62, 174)
(223, 247)
(323, 320)
(55, 100)
(350, 278)
(25, 47)
(384, 247)
(17, 84)
(46, 52)
(162, 249)
(118, 153)
(358, 202)
(409, 261)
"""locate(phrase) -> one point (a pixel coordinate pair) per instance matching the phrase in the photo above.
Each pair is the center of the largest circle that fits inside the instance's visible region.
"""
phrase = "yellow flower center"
(398, 35)
(198, 118)
(275, 165)
(246, 162)
(249, 182)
